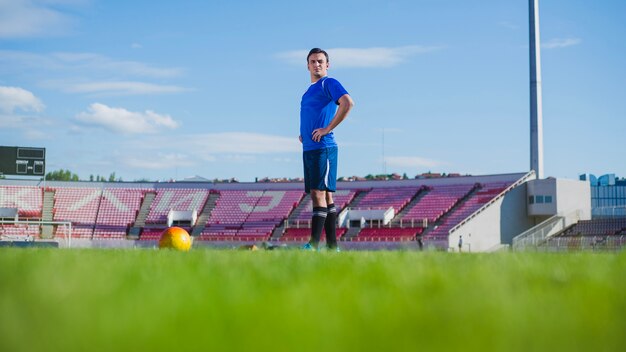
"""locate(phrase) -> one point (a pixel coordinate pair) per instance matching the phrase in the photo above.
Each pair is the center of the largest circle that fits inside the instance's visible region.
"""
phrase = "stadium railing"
(533, 237)
(590, 243)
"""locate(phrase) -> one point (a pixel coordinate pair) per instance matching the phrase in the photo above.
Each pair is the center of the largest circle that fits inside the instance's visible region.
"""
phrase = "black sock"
(317, 224)
(331, 226)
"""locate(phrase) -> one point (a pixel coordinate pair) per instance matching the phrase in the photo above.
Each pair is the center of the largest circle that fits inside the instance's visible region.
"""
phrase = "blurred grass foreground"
(228, 300)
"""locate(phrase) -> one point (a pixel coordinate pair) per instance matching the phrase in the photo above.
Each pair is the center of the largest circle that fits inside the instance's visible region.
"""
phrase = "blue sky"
(163, 90)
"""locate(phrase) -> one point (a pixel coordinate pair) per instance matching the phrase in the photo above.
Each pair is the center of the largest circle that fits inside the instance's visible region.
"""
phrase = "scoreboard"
(23, 161)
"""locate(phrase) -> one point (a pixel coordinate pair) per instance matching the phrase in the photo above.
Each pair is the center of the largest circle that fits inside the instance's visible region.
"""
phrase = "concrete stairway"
(205, 214)
(416, 199)
(142, 215)
(351, 233)
(431, 227)
(47, 231)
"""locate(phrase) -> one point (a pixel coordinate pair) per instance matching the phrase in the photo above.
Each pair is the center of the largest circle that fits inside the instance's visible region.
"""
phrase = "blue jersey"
(317, 109)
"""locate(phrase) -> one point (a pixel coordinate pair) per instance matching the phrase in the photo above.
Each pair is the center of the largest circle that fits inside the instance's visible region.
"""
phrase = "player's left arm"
(345, 105)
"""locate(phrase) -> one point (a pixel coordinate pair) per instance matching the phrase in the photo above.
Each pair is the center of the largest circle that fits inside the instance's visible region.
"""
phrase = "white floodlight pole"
(536, 115)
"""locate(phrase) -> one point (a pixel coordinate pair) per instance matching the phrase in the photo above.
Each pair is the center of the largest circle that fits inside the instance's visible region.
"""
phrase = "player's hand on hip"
(319, 133)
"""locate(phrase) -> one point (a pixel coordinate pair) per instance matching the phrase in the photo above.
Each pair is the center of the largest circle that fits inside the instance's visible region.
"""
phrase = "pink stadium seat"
(97, 213)
(180, 199)
(27, 199)
(384, 198)
(151, 234)
(483, 196)
(154, 233)
(19, 230)
(303, 234)
(437, 202)
(78, 205)
(341, 198)
(117, 211)
(249, 215)
(597, 227)
(388, 234)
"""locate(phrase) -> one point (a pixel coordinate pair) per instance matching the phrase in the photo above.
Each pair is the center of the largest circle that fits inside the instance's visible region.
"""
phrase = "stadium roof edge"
(509, 177)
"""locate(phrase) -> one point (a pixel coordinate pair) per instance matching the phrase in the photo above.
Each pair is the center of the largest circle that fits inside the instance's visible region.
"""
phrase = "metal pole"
(536, 115)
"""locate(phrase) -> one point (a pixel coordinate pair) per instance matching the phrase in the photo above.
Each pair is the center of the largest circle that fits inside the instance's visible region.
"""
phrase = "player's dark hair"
(317, 51)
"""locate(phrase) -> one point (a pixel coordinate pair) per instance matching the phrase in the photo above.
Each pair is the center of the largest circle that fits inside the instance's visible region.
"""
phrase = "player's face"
(318, 66)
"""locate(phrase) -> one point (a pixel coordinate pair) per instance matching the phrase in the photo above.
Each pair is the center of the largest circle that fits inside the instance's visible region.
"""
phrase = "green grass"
(223, 300)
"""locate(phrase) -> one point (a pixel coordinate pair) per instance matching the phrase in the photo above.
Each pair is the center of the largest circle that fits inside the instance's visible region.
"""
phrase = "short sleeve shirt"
(317, 109)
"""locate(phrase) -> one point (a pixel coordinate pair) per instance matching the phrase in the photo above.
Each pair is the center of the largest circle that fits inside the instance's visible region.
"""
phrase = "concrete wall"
(495, 225)
(537, 192)
(512, 214)
(514, 217)
(573, 196)
(566, 196)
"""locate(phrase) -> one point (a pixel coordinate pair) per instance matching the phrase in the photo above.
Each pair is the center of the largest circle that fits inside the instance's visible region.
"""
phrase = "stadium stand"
(342, 198)
(249, 215)
(388, 234)
(438, 201)
(107, 213)
(79, 206)
(384, 198)
(298, 229)
(595, 234)
(597, 227)
(26, 199)
(179, 199)
(303, 234)
(118, 210)
(272, 211)
(482, 196)
(19, 230)
(154, 234)
(26, 203)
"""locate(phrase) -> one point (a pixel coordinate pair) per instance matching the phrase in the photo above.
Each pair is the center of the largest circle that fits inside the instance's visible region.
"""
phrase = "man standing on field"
(324, 106)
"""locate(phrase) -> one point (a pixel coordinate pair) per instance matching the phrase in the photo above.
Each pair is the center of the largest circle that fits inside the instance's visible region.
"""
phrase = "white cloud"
(36, 134)
(124, 121)
(28, 128)
(32, 18)
(12, 98)
(149, 152)
(88, 73)
(243, 143)
(20, 111)
(83, 64)
(414, 162)
(24, 122)
(11, 121)
(118, 87)
(560, 43)
(93, 61)
(158, 161)
(361, 57)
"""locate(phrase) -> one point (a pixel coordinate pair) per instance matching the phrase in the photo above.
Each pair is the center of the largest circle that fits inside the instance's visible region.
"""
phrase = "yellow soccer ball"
(175, 238)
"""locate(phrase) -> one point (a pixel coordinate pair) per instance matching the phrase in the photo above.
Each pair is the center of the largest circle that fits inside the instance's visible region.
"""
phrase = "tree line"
(67, 175)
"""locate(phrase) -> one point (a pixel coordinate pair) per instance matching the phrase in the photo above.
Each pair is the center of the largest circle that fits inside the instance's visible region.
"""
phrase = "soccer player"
(324, 106)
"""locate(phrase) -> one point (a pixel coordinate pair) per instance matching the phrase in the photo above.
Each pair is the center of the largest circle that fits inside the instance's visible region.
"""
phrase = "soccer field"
(229, 300)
